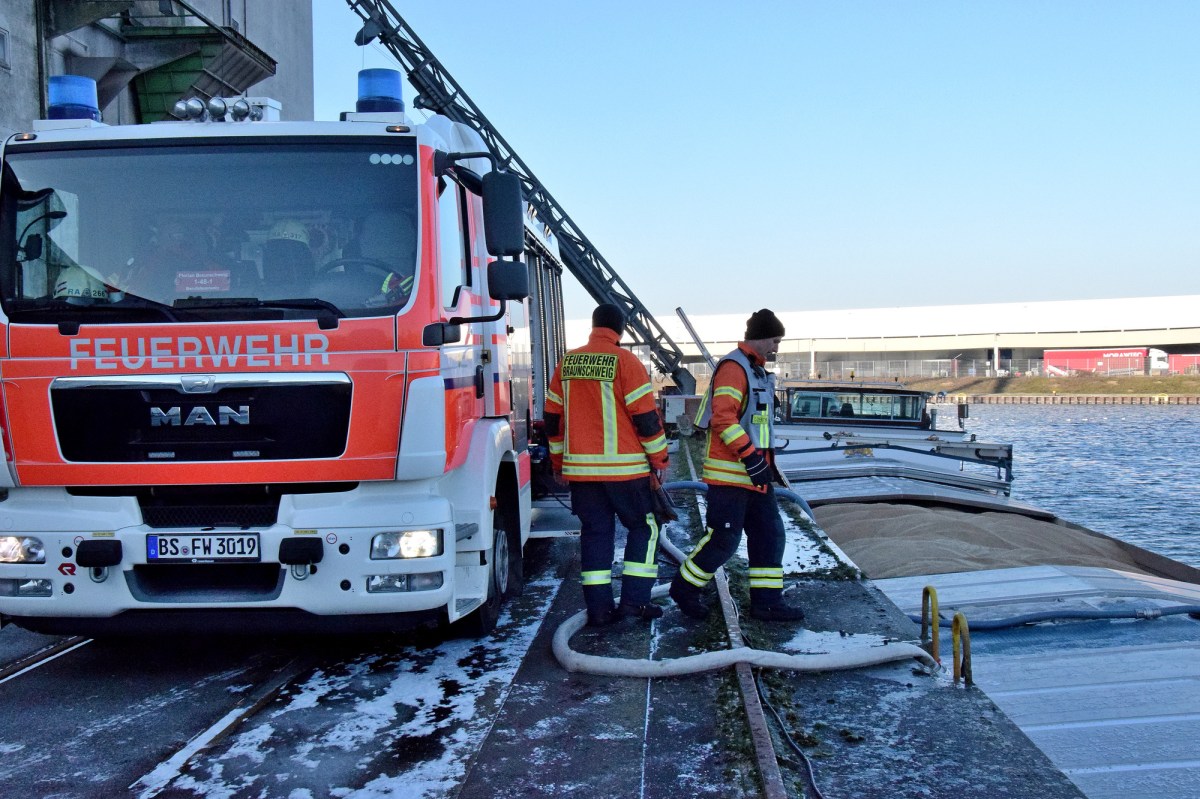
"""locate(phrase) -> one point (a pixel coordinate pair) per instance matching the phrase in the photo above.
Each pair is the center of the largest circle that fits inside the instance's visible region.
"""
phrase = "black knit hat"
(763, 324)
(610, 316)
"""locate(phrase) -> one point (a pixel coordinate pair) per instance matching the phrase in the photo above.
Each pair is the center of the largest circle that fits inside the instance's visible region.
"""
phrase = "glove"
(663, 510)
(758, 468)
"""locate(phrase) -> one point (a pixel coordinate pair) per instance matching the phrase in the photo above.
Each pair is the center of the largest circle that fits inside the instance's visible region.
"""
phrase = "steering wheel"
(355, 263)
(363, 282)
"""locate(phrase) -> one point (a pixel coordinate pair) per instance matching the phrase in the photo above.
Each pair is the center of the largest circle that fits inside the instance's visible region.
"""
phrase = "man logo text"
(199, 415)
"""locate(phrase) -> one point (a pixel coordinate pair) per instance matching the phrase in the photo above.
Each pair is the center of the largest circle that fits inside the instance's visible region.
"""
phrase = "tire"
(516, 558)
(505, 578)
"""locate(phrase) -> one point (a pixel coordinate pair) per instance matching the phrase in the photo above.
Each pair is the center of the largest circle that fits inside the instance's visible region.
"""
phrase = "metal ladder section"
(437, 91)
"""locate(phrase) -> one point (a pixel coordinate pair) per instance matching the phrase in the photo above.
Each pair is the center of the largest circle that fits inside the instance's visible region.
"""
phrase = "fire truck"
(273, 367)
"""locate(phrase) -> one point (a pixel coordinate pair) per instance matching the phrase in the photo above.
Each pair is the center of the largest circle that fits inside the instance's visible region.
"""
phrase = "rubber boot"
(601, 609)
(646, 612)
(602, 618)
(687, 597)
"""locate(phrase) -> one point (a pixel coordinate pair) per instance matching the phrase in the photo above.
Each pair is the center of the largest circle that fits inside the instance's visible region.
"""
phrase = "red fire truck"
(259, 373)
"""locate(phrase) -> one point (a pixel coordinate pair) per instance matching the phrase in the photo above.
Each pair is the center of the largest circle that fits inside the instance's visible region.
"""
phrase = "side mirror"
(503, 214)
(438, 333)
(508, 280)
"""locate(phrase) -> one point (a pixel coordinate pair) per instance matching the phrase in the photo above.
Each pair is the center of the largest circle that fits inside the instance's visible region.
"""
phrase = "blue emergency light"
(73, 97)
(379, 90)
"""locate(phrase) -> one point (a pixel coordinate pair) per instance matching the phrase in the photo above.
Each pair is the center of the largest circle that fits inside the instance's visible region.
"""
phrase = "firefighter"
(82, 284)
(738, 412)
(180, 252)
(606, 439)
(287, 259)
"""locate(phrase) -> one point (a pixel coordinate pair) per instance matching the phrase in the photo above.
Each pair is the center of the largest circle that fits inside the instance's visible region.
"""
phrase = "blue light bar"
(379, 90)
(73, 97)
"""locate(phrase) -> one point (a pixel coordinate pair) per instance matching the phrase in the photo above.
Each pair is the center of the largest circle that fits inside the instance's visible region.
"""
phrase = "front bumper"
(336, 585)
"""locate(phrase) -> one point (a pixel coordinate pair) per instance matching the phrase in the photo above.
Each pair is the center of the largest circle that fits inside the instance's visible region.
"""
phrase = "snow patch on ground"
(252, 744)
(804, 551)
(439, 701)
(809, 642)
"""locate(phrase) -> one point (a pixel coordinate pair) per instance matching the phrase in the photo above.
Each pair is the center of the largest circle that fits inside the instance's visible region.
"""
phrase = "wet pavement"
(563, 734)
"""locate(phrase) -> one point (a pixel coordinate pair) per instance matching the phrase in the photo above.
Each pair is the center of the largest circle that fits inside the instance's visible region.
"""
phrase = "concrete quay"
(893, 730)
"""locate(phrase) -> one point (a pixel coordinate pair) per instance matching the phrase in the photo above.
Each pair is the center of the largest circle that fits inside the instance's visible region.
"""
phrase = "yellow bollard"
(962, 654)
(929, 600)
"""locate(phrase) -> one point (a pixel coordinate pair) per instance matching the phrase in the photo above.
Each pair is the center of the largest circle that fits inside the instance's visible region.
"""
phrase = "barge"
(1089, 644)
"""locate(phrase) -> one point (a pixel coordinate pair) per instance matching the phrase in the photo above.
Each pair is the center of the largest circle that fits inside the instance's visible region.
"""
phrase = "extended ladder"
(437, 91)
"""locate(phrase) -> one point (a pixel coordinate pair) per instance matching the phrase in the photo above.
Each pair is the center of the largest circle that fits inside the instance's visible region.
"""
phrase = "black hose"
(808, 766)
(1086, 615)
(784, 493)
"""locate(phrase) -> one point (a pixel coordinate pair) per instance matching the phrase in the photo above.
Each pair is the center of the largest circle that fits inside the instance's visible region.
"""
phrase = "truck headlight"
(21, 549)
(406, 544)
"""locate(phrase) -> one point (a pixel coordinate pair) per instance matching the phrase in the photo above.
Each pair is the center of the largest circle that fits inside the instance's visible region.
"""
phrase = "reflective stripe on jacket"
(739, 411)
(610, 428)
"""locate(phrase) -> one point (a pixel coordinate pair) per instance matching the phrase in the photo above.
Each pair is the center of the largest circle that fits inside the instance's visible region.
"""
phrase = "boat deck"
(1115, 704)
(821, 488)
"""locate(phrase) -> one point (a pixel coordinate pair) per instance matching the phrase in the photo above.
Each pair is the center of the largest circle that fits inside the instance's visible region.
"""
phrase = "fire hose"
(870, 655)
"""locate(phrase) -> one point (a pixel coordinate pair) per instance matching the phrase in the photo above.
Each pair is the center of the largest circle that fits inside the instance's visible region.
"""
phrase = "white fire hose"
(692, 664)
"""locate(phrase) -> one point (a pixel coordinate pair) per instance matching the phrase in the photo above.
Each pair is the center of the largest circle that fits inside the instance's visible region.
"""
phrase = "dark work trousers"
(730, 510)
(596, 504)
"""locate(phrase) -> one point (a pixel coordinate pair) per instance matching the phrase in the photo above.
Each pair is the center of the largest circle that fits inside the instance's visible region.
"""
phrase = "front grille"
(205, 582)
(198, 507)
(202, 516)
(157, 420)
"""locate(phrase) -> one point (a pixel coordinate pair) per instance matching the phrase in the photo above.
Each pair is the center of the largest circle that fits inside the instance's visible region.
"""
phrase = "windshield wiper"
(137, 301)
(296, 303)
(69, 315)
(52, 310)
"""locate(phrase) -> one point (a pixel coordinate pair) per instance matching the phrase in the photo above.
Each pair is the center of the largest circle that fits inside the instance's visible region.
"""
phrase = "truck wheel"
(500, 574)
(516, 559)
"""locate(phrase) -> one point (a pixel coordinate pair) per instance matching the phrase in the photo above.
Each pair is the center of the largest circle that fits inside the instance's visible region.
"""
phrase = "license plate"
(203, 548)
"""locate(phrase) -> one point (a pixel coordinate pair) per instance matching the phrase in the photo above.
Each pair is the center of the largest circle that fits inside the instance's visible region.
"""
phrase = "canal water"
(1132, 472)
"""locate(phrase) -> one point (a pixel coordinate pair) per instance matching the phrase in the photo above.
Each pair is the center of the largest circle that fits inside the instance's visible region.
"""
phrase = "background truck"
(1113, 361)
(264, 374)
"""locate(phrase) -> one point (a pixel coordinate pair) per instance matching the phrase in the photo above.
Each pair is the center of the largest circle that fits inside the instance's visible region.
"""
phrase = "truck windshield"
(232, 229)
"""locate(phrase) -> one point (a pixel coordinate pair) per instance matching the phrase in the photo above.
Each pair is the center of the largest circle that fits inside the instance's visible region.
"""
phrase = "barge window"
(844, 405)
(806, 406)
(877, 406)
(909, 408)
(866, 406)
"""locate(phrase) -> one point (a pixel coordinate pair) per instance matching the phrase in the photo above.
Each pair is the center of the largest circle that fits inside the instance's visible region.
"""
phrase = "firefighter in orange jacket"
(605, 438)
(739, 412)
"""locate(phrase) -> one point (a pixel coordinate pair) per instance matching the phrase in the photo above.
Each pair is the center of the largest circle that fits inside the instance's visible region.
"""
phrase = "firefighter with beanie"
(738, 412)
(606, 438)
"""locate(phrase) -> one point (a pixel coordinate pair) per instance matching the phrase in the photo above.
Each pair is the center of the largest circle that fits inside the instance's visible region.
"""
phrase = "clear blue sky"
(825, 155)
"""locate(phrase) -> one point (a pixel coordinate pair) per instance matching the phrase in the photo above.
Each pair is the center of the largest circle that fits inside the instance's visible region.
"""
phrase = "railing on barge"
(1069, 399)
